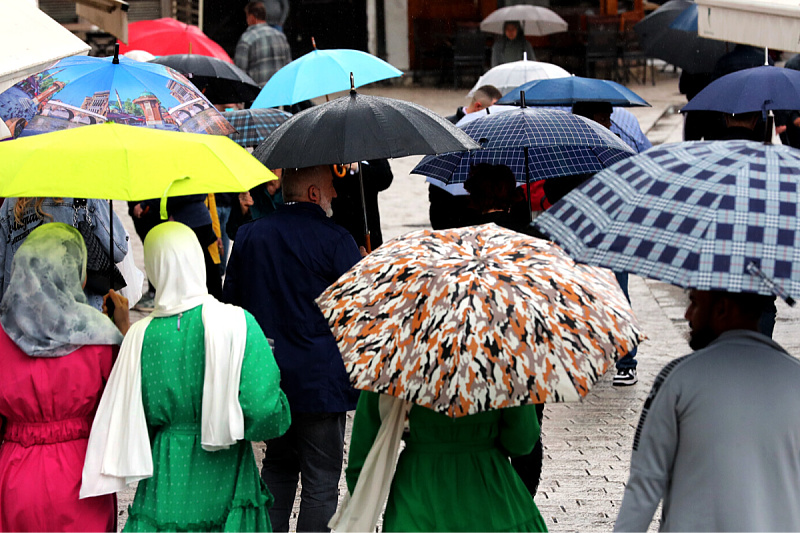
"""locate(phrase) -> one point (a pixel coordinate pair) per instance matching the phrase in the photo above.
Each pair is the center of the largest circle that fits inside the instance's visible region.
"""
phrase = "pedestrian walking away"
(50, 337)
(183, 403)
(262, 50)
(279, 264)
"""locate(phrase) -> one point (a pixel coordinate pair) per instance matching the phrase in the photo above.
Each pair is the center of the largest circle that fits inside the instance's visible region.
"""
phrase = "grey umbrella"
(683, 49)
(220, 81)
(358, 127)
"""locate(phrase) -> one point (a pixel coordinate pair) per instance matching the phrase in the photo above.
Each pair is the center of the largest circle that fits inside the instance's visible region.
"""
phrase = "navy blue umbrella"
(719, 215)
(553, 143)
(680, 47)
(752, 89)
(686, 20)
(567, 91)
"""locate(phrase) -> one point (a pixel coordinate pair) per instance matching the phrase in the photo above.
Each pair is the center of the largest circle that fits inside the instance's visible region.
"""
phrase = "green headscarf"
(44, 310)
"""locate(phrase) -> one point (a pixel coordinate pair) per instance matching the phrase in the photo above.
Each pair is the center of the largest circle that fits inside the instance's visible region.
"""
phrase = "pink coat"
(48, 404)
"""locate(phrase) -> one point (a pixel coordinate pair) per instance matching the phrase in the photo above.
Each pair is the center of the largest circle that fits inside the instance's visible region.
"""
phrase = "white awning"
(30, 41)
(766, 23)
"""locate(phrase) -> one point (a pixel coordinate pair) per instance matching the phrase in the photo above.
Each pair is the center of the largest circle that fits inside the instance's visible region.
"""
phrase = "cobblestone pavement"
(587, 444)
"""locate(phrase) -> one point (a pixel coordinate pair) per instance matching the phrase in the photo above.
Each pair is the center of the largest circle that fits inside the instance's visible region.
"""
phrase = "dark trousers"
(313, 448)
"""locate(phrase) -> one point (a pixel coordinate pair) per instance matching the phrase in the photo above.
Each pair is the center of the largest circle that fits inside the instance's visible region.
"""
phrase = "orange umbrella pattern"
(478, 318)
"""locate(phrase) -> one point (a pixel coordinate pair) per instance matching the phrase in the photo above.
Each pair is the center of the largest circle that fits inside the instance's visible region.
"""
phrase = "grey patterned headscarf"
(44, 311)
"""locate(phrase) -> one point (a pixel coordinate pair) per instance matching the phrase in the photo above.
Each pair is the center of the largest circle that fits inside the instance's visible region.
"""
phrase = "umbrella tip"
(352, 85)
(313, 43)
(115, 61)
(522, 99)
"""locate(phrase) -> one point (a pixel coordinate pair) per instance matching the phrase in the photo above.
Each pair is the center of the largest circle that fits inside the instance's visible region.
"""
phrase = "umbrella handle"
(163, 209)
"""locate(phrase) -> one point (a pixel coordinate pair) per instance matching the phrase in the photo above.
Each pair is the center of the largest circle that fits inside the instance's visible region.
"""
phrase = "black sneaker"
(625, 377)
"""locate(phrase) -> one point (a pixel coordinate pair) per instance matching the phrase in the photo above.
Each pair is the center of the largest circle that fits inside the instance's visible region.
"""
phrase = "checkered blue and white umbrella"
(254, 125)
(701, 215)
(557, 144)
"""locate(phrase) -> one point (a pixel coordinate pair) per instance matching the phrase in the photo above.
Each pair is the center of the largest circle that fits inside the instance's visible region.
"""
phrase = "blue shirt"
(279, 265)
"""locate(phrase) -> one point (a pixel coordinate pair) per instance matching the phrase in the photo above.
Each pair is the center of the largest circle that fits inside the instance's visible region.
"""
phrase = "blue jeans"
(224, 213)
(629, 360)
(313, 448)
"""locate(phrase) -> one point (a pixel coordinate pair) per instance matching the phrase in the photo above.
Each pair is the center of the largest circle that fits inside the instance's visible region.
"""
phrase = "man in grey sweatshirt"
(719, 435)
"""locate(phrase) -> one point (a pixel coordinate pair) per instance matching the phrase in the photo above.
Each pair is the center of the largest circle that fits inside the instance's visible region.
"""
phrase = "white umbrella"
(511, 75)
(139, 55)
(30, 41)
(535, 20)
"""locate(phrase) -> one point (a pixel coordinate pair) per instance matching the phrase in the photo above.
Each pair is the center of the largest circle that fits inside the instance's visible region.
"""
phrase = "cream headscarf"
(119, 446)
(44, 311)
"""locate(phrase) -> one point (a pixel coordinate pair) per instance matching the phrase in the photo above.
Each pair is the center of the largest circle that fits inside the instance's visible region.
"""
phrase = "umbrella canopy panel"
(558, 144)
(322, 72)
(463, 321)
(167, 36)
(219, 81)
(78, 91)
(535, 20)
(358, 128)
(694, 214)
(573, 89)
(508, 76)
(683, 49)
(125, 163)
(750, 90)
(254, 125)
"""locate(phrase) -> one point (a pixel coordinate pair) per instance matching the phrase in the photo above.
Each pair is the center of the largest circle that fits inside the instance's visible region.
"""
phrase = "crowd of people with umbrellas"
(447, 343)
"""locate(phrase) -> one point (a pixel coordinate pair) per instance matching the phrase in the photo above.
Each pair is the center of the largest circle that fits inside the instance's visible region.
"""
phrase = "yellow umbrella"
(126, 163)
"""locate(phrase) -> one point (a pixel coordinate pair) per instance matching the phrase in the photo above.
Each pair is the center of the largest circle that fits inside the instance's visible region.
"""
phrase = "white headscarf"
(44, 310)
(119, 446)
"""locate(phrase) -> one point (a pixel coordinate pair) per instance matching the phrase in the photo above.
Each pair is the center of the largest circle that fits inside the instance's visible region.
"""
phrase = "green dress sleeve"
(265, 407)
(519, 429)
(366, 424)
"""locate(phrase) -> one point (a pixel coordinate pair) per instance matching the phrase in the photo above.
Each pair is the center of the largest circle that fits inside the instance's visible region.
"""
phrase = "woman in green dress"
(454, 474)
(185, 403)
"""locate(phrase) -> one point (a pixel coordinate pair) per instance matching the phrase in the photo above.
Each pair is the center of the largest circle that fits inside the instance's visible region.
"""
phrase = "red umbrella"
(168, 36)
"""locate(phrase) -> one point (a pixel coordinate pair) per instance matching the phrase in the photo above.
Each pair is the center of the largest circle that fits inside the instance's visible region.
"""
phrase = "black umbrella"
(358, 127)
(221, 82)
(683, 49)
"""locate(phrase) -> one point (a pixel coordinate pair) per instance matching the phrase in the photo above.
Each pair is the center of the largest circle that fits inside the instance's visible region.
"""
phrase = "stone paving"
(587, 444)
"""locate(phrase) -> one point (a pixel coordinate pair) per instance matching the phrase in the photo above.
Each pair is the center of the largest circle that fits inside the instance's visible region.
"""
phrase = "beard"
(326, 206)
(700, 338)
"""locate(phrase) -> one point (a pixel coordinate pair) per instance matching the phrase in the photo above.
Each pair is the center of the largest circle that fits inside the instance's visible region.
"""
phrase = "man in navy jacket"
(279, 265)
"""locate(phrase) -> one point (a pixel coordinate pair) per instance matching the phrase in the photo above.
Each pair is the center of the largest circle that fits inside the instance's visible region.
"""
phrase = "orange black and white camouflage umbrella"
(472, 319)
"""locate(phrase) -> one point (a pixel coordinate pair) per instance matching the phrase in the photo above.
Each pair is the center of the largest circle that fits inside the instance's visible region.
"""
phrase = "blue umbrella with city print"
(78, 91)
(701, 215)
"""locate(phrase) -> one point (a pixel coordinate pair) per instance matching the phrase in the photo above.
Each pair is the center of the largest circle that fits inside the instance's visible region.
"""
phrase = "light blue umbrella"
(567, 91)
(322, 72)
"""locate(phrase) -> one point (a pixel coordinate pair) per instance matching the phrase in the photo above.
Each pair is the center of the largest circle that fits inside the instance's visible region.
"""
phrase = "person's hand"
(121, 318)
(363, 251)
(137, 210)
(245, 201)
(780, 129)
(220, 246)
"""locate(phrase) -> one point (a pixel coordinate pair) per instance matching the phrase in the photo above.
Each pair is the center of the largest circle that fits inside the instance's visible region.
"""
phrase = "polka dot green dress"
(192, 489)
